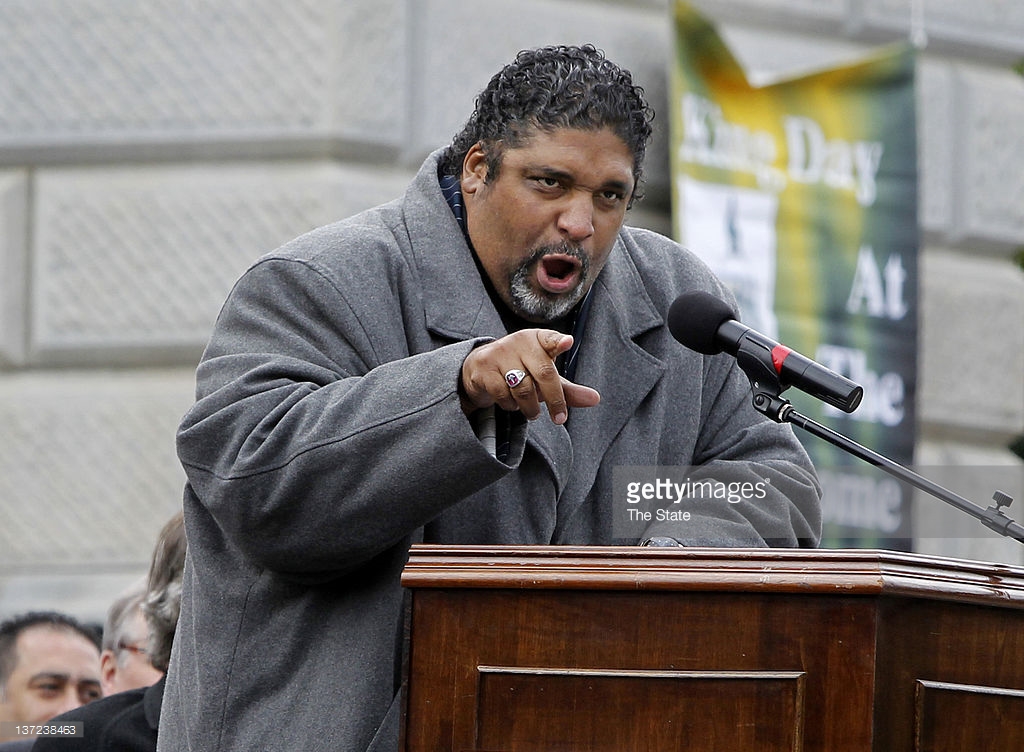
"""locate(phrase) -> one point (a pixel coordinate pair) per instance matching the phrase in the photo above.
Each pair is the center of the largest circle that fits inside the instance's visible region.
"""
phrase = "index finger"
(546, 378)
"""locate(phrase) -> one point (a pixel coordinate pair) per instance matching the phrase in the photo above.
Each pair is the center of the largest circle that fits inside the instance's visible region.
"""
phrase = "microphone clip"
(756, 362)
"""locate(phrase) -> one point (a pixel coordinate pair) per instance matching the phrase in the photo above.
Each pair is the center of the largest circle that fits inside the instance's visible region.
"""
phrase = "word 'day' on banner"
(802, 195)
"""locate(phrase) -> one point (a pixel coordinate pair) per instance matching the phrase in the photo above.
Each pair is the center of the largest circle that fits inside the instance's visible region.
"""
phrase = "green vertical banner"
(802, 195)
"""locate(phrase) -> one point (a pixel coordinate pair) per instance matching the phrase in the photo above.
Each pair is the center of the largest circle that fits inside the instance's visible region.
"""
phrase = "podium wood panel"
(530, 649)
(544, 709)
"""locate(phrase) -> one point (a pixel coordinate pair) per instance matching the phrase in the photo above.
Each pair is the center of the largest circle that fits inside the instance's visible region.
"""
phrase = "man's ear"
(108, 668)
(474, 169)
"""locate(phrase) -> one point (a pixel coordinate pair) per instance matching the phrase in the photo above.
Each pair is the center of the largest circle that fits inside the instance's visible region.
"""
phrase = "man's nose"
(576, 221)
(69, 700)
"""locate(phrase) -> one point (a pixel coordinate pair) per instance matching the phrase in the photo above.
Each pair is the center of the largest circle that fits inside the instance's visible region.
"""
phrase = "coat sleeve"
(317, 439)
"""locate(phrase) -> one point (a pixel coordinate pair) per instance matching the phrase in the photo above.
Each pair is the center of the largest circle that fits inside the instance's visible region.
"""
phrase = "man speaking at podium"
(467, 364)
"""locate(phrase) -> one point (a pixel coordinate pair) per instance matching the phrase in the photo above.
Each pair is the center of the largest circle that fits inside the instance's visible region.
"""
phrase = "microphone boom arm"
(767, 400)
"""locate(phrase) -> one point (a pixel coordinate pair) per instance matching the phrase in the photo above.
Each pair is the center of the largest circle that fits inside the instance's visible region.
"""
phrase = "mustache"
(564, 248)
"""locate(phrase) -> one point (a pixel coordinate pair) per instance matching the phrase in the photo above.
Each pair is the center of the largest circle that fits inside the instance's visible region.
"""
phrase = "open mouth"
(558, 273)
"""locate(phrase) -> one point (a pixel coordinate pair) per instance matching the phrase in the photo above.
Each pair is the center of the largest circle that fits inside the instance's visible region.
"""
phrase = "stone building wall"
(149, 150)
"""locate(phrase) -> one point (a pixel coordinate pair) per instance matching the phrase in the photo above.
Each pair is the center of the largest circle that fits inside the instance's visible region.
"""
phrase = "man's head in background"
(49, 663)
(125, 663)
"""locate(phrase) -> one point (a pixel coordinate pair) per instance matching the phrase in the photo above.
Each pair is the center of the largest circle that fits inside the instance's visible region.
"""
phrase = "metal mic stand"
(767, 388)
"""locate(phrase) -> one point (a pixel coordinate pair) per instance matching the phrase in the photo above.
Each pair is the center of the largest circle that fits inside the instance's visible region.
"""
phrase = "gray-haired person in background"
(124, 660)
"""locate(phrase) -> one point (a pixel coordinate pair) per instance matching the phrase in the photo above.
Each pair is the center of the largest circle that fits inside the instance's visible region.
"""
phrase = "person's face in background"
(56, 670)
(127, 665)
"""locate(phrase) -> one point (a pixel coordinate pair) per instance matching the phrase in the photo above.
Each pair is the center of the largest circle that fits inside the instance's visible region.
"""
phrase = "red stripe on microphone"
(779, 354)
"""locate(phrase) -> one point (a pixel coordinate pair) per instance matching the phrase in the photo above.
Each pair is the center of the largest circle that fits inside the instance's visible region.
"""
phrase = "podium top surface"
(820, 571)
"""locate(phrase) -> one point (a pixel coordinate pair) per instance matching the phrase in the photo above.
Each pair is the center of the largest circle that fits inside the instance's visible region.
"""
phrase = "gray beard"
(538, 306)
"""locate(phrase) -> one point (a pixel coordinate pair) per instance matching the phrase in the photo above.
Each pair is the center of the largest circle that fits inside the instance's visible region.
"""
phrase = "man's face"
(127, 666)
(57, 670)
(544, 227)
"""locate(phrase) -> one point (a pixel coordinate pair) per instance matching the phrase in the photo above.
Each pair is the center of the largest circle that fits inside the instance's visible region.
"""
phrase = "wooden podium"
(556, 649)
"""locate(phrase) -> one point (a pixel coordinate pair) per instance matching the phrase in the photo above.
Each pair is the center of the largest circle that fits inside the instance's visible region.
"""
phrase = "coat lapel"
(456, 303)
(612, 362)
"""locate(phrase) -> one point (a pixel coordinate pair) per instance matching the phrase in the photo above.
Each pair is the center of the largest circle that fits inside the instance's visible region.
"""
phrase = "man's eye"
(88, 695)
(49, 689)
(547, 182)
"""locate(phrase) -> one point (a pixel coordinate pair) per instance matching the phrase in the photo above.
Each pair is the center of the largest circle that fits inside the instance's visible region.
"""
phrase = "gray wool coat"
(327, 436)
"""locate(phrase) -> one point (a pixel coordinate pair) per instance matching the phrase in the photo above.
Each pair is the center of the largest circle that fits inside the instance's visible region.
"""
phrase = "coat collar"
(446, 264)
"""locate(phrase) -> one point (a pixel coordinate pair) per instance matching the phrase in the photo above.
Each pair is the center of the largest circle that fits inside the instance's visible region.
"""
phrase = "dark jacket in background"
(123, 722)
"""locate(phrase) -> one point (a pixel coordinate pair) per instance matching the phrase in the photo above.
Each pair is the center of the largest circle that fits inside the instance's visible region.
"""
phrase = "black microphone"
(708, 325)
